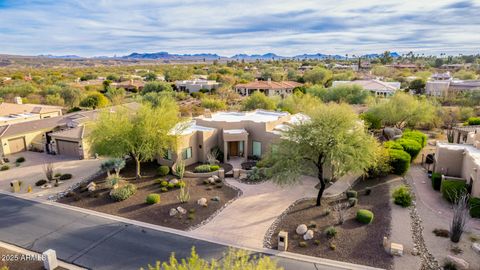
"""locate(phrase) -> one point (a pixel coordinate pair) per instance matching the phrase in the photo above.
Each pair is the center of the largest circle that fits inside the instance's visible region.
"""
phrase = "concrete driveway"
(31, 171)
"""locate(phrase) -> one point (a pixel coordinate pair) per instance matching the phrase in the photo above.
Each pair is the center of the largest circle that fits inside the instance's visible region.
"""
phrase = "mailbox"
(283, 240)
(50, 261)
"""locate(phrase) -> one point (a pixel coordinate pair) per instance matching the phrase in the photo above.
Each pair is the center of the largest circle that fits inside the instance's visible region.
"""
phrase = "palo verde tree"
(333, 139)
(144, 134)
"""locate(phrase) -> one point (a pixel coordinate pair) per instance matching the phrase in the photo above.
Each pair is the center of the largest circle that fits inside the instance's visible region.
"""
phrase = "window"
(257, 149)
(168, 155)
(240, 147)
(187, 153)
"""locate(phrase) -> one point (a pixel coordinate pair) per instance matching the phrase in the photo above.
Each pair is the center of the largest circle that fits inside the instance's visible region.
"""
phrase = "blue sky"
(285, 27)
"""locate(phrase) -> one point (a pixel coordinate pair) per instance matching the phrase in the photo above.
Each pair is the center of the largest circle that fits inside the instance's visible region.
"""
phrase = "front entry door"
(233, 149)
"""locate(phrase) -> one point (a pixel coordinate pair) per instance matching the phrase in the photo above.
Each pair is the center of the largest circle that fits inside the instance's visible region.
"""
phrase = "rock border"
(59, 195)
(205, 221)
(271, 230)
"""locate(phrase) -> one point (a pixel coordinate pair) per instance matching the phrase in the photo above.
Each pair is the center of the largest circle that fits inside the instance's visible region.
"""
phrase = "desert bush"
(436, 181)
(203, 168)
(180, 184)
(255, 175)
(365, 216)
(474, 204)
(402, 196)
(184, 195)
(331, 232)
(392, 145)
(452, 188)
(4, 168)
(214, 168)
(410, 146)
(163, 189)
(472, 121)
(302, 244)
(449, 266)
(164, 183)
(20, 160)
(123, 193)
(352, 194)
(460, 215)
(399, 160)
(171, 186)
(66, 176)
(163, 170)
(352, 201)
(40, 182)
(415, 135)
(152, 198)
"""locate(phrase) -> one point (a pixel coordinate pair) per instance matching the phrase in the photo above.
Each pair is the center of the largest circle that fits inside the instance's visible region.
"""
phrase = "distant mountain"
(167, 56)
(267, 56)
(59, 56)
(318, 56)
(377, 55)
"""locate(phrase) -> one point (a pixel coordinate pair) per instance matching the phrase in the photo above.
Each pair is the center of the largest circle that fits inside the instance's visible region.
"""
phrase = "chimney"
(18, 100)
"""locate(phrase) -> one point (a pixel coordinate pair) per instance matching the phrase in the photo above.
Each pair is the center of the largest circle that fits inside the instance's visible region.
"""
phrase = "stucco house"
(17, 112)
(461, 159)
(236, 134)
(450, 87)
(377, 87)
(192, 86)
(269, 88)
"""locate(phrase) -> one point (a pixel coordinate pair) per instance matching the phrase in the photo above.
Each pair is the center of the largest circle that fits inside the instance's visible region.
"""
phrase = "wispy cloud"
(288, 27)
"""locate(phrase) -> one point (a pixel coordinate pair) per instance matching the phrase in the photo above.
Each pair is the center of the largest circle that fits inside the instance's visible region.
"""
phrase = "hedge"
(436, 181)
(392, 145)
(402, 196)
(203, 168)
(472, 121)
(451, 188)
(416, 135)
(475, 207)
(399, 160)
(153, 198)
(365, 216)
(163, 170)
(410, 146)
(214, 168)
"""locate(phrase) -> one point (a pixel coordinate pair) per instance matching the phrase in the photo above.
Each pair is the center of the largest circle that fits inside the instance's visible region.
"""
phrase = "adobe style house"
(461, 159)
(192, 86)
(377, 87)
(236, 134)
(269, 88)
(17, 112)
(450, 87)
(130, 85)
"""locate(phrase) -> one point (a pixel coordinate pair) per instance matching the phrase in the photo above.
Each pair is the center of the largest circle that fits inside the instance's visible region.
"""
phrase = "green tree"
(318, 75)
(213, 104)
(386, 58)
(150, 77)
(404, 110)
(157, 87)
(465, 75)
(94, 100)
(258, 100)
(115, 95)
(54, 99)
(333, 139)
(71, 96)
(352, 94)
(144, 134)
(418, 85)
(299, 102)
(177, 73)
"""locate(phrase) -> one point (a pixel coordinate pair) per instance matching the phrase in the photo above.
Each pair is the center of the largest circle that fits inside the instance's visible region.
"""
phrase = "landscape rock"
(216, 199)
(476, 247)
(211, 180)
(181, 210)
(173, 181)
(92, 186)
(202, 202)
(301, 229)
(173, 212)
(391, 133)
(308, 235)
(215, 177)
(461, 264)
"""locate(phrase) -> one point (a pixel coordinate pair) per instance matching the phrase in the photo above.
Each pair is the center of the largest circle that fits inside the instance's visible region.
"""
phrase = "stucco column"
(225, 151)
(245, 149)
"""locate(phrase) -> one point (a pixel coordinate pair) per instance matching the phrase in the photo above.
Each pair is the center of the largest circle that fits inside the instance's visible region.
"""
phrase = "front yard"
(353, 242)
(135, 207)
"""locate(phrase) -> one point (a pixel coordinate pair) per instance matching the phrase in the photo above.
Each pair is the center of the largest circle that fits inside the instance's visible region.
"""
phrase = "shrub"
(399, 160)
(352, 194)
(352, 201)
(164, 183)
(472, 121)
(401, 196)
(365, 216)
(436, 181)
(57, 175)
(203, 168)
(153, 198)
(302, 244)
(333, 246)
(180, 184)
(163, 170)
(474, 207)
(20, 160)
(416, 135)
(123, 193)
(449, 266)
(410, 146)
(164, 189)
(40, 182)
(368, 191)
(392, 145)
(371, 120)
(4, 168)
(452, 188)
(214, 168)
(331, 232)
(441, 233)
(170, 186)
(66, 176)
(191, 216)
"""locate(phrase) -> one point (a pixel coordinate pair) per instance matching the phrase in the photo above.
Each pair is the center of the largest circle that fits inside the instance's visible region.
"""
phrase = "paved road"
(100, 243)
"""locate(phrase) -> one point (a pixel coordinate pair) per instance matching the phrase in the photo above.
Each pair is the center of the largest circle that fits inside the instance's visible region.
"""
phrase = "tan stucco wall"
(33, 139)
(449, 161)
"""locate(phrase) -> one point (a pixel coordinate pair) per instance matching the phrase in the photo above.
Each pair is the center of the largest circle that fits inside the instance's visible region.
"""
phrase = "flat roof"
(234, 131)
(258, 116)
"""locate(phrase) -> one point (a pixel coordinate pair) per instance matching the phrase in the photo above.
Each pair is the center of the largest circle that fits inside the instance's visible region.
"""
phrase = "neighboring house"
(344, 67)
(61, 135)
(450, 87)
(377, 87)
(269, 88)
(130, 85)
(192, 86)
(446, 76)
(17, 112)
(236, 134)
(456, 66)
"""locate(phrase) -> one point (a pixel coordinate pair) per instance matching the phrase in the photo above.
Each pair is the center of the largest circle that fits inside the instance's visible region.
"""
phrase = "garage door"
(67, 148)
(17, 145)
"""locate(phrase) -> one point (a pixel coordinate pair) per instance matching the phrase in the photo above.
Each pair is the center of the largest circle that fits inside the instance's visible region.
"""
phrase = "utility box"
(282, 241)
(50, 259)
(221, 174)
(236, 173)
(15, 184)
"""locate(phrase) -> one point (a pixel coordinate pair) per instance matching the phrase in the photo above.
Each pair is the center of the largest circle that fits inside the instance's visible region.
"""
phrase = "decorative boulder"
(173, 181)
(215, 177)
(211, 180)
(308, 235)
(461, 264)
(301, 229)
(216, 199)
(173, 212)
(91, 186)
(476, 247)
(181, 210)
(202, 202)
(391, 133)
